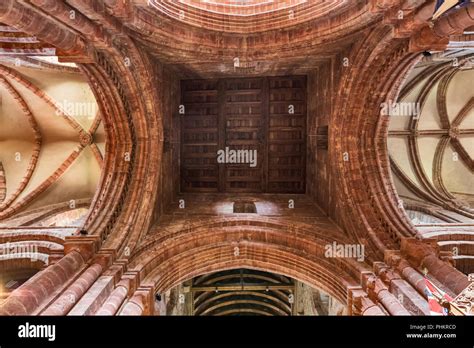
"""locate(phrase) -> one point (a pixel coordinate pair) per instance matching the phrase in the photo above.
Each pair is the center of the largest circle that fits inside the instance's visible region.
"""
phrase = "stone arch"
(169, 260)
(25, 261)
(132, 126)
(377, 68)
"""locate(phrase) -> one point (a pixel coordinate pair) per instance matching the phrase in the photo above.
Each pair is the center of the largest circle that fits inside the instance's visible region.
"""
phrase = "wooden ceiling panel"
(259, 121)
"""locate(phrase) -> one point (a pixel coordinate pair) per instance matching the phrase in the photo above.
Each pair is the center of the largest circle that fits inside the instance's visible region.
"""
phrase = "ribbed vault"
(431, 149)
(52, 138)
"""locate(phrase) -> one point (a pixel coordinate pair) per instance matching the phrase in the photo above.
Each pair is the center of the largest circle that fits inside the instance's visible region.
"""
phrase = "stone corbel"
(360, 304)
(87, 246)
(426, 39)
(105, 257)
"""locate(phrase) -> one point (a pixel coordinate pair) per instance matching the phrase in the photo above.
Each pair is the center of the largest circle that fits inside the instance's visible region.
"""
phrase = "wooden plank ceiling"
(266, 114)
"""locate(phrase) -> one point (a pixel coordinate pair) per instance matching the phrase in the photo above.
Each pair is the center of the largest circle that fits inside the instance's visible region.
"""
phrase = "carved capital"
(427, 39)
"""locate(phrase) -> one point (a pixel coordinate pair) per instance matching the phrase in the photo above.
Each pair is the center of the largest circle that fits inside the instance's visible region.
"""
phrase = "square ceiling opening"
(245, 207)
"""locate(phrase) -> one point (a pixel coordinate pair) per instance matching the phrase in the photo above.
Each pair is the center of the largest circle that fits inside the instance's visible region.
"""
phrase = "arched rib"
(43, 186)
(37, 142)
(41, 94)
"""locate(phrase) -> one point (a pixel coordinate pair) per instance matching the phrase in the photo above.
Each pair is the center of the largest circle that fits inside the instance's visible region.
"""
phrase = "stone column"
(29, 297)
(425, 254)
(74, 292)
(405, 292)
(141, 303)
(378, 292)
(116, 298)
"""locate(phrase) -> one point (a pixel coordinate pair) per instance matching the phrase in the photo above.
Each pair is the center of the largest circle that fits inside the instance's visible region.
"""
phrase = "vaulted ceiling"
(432, 153)
(431, 147)
(206, 38)
(52, 140)
(247, 16)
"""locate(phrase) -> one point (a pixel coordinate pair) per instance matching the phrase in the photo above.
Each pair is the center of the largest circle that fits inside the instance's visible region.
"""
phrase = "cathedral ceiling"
(122, 46)
(52, 140)
(247, 16)
(433, 152)
(251, 37)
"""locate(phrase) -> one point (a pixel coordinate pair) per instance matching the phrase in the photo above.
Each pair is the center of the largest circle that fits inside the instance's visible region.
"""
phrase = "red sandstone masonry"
(116, 298)
(94, 297)
(422, 255)
(31, 22)
(3, 184)
(402, 290)
(134, 306)
(29, 296)
(378, 292)
(74, 292)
